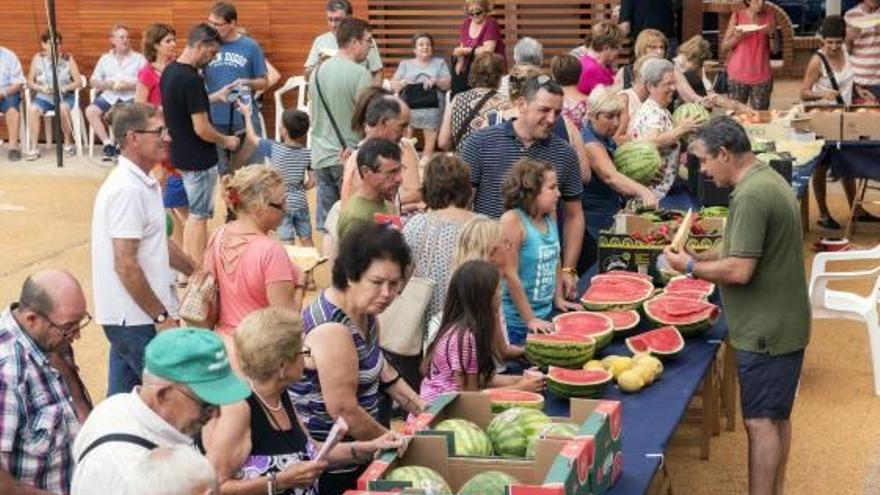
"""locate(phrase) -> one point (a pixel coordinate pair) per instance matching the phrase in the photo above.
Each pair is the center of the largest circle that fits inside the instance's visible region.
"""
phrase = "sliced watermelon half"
(696, 295)
(577, 323)
(625, 321)
(691, 317)
(664, 342)
(503, 399)
(616, 292)
(684, 283)
(624, 273)
(577, 383)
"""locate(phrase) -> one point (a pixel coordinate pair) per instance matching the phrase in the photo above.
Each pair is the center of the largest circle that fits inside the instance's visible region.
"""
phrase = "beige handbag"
(200, 305)
(402, 324)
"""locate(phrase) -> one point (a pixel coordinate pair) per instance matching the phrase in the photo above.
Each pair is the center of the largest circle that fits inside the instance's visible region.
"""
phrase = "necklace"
(263, 400)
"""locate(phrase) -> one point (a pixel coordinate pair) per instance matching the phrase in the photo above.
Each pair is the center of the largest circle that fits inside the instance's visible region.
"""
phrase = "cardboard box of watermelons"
(635, 241)
(597, 435)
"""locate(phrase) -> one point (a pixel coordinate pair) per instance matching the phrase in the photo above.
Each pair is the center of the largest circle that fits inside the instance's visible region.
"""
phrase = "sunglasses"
(277, 206)
(475, 13)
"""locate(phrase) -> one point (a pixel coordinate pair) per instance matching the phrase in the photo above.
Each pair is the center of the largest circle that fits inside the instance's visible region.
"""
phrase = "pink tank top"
(749, 61)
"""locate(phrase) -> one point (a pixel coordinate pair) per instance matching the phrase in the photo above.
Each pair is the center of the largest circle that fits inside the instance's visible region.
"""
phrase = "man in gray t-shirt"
(325, 45)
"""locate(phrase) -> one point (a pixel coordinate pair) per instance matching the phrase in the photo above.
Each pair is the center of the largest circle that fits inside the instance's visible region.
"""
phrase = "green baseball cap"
(197, 358)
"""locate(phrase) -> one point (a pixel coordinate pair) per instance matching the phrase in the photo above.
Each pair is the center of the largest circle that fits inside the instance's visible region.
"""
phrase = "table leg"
(728, 386)
(662, 482)
(710, 396)
(805, 209)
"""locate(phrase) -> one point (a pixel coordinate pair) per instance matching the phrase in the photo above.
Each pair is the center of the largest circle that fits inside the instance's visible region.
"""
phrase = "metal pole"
(56, 90)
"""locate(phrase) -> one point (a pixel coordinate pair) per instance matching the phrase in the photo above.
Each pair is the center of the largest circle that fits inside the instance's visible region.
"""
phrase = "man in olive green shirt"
(378, 162)
(760, 270)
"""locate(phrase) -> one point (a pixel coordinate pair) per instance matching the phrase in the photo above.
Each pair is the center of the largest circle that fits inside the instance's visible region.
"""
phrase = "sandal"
(828, 223)
(32, 155)
(69, 150)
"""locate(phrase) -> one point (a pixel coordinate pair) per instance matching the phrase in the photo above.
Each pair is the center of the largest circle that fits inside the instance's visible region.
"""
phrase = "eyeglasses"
(304, 352)
(67, 328)
(278, 206)
(158, 132)
(476, 13)
(336, 20)
(216, 25)
(205, 410)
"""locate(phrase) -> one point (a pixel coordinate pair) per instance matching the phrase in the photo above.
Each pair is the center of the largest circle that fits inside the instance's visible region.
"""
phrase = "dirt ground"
(45, 216)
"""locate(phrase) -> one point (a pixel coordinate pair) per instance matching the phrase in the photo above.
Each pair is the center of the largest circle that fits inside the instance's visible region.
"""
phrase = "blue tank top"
(538, 260)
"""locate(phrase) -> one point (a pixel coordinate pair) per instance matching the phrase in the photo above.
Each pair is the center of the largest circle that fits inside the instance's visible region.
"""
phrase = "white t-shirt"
(110, 68)
(129, 206)
(109, 466)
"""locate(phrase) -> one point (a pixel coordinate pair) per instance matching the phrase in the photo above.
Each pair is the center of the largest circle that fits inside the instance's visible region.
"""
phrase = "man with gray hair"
(527, 51)
(131, 253)
(187, 378)
(174, 470)
(760, 270)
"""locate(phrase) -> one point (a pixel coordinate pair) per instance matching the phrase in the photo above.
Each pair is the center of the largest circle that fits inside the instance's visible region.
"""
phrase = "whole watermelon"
(511, 430)
(690, 110)
(552, 430)
(470, 440)
(638, 160)
(422, 478)
(488, 483)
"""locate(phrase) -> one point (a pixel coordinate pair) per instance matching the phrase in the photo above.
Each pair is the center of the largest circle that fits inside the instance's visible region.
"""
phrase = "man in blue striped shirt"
(491, 153)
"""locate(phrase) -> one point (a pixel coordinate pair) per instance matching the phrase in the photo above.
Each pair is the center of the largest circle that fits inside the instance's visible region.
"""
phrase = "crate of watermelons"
(636, 240)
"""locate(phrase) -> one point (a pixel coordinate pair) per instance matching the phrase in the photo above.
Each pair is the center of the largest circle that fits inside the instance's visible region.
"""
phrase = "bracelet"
(690, 267)
(570, 270)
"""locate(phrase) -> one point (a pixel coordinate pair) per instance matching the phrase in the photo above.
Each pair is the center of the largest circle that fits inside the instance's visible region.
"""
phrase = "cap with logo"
(197, 358)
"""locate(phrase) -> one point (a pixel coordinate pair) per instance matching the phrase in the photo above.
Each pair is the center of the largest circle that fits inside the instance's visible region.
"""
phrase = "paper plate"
(749, 28)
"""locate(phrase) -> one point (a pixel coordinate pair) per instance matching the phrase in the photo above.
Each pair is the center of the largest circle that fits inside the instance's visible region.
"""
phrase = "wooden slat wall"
(284, 28)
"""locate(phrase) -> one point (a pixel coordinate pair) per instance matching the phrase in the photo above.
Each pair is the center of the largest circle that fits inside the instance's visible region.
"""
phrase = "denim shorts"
(200, 185)
(9, 102)
(174, 194)
(103, 104)
(296, 223)
(49, 105)
(768, 383)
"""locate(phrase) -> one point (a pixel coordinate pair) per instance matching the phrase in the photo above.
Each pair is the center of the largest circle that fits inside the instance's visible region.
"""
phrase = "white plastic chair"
(76, 118)
(299, 84)
(835, 304)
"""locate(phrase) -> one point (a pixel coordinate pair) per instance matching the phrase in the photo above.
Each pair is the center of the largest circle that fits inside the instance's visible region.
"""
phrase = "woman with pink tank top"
(751, 35)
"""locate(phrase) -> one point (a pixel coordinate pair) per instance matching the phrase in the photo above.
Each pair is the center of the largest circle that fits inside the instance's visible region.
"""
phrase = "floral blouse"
(576, 111)
(650, 120)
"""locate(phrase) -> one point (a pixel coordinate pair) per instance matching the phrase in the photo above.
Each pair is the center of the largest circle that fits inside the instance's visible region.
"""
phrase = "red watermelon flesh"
(624, 319)
(624, 273)
(616, 292)
(685, 283)
(665, 342)
(688, 294)
(689, 316)
(585, 323)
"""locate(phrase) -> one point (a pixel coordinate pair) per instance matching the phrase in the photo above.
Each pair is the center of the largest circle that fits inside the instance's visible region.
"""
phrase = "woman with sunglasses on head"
(479, 34)
(260, 445)
(253, 270)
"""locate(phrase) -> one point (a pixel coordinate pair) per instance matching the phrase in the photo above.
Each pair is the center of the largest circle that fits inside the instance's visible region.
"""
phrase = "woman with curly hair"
(253, 270)
(533, 281)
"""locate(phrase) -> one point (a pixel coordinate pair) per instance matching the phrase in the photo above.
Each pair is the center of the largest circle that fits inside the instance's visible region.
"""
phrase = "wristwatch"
(161, 318)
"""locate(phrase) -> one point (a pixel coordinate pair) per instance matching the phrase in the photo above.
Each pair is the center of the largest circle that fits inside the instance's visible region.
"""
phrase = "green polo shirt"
(771, 313)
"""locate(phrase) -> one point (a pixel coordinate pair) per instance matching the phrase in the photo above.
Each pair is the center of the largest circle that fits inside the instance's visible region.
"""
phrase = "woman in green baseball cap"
(260, 445)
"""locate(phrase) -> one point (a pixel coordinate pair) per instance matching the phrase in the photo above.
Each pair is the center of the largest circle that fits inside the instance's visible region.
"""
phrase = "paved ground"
(45, 219)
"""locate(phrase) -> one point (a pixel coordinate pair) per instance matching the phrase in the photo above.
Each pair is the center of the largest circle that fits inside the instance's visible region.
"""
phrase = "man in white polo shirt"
(131, 252)
(186, 380)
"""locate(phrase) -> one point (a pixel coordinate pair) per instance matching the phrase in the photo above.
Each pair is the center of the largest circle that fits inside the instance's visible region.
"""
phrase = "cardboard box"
(826, 124)
(859, 126)
(588, 464)
(619, 251)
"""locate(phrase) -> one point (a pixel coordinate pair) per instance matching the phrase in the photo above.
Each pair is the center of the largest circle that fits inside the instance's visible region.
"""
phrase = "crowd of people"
(489, 226)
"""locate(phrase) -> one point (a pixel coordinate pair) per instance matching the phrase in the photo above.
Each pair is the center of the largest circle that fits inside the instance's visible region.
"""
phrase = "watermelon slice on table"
(624, 273)
(684, 283)
(664, 342)
(577, 383)
(691, 317)
(586, 323)
(696, 295)
(570, 351)
(503, 399)
(616, 292)
(624, 320)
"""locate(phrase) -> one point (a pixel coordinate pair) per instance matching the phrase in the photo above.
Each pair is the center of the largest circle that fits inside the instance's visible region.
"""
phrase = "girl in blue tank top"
(532, 281)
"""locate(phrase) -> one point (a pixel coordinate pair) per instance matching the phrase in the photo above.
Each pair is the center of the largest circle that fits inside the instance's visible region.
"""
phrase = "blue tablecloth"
(651, 416)
(859, 159)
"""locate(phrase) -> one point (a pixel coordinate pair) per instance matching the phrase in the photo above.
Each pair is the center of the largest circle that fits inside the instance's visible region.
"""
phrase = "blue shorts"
(199, 185)
(103, 104)
(49, 105)
(174, 194)
(296, 223)
(768, 383)
(10, 102)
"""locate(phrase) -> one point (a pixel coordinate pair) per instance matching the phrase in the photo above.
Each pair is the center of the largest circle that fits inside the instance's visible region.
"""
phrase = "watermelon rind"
(645, 290)
(553, 430)
(504, 399)
(622, 327)
(639, 343)
(691, 326)
(488, 483)
(558, 350)
(422, 478)
(566, 323)
(511, 430)
(684, 283)
(470, 439)
(577, 383)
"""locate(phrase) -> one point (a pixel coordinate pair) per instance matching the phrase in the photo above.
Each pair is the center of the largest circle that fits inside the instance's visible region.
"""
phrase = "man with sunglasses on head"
(326, 45)
(42, 400)
(186, 379)
(131, 252)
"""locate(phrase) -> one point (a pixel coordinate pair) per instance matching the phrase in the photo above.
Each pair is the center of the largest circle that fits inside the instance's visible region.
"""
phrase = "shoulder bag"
(831, 77)
(402, 324)
(336, 130)
(200, 305)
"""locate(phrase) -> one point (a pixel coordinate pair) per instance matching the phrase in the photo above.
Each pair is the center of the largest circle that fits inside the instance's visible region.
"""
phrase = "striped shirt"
(292, 163)
(492, 152)
(865, 47)
(306, 393)
(37, 420)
